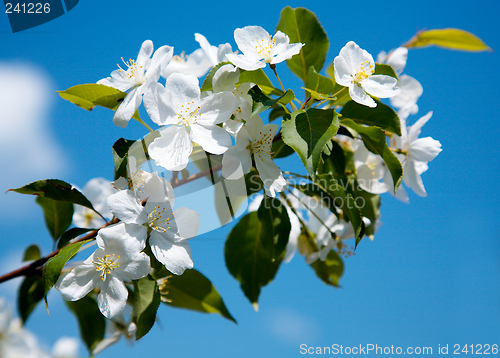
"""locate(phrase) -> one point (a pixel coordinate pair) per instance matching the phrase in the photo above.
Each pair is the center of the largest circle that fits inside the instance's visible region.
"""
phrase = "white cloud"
(291, 326)
(28, 150)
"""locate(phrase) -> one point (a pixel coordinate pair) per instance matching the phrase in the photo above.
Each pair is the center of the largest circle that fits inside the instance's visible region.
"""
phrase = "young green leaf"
(30, 293)
(307, 132)
(247, 253)
(259, 78)
(32, 252)
(90, 320)
(381, 116)
(87, 96)
(58, 215)
(330, 270)
(262, 102)
(454, 39)
(193, 291)
(376, 142)
(56, 190)
(301, 25)
(316, 83)
(70, 235)
(146, 303)
(53, 267)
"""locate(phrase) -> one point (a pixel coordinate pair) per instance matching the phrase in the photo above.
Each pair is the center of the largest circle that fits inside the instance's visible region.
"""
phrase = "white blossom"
(137, 77)
(259, 48)
(97, 190)
(118, 259)
(354, 68)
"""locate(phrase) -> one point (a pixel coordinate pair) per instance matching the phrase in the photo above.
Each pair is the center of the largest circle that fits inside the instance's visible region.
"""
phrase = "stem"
(273, 67)
(339, 92)
(144, 124)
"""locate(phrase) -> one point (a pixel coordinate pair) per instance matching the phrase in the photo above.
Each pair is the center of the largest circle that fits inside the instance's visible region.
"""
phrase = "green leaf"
(87, 96)
(262, 102)
(146, 303)
(193, 291)
(56, 190)
(54, 266)
(454, 39)
(307, 132)
(384, 69)
(376, 142)
(207, 82)
(281, 150)
(32, 252)
(90, 320)
(248, 253)
(301, 25)
(276, 112)
(343, 200)
(319, 84)
(330, 270)
(259, 78)
(58, 215)
(370, 208)
(30, 293)
(273, 215)
(70, 235)
(381, 116)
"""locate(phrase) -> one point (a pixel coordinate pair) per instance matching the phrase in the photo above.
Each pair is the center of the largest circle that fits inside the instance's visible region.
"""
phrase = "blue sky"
(430, 278)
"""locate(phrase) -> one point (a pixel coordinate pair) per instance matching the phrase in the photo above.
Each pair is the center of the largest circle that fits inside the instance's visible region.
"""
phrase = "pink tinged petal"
(77, 283)
(172, 149)
(127, 108)
(124, 206)
(145, 52)
(135, 269)
(412, 179)
(359, 95)
(270, 175)
(158, 189)
(175, 256)
(211, 138)
(188, 222)
(416, 128)
(181, 89)
(245, 62)
(343, 72)
(381, 86)
(113, 296)
(217, 108)
(247, 38)
(424, 149)
(160, 60)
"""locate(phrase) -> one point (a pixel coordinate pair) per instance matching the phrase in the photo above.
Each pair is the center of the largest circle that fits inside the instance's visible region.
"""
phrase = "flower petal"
(160, 60)
(188, 222)
(359, 95)
(181, 89)
(211, 138)
(124, 206)
(138, 268)
(76, 283)
(127, 108)
(246, 38)
(381, 86)
(424, 149)
(270, 175)
(113, 297)
(175, 256)
(172, 149)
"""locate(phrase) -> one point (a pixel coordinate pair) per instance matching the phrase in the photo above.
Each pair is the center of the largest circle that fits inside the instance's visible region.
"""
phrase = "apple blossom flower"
(257, 139)
(354, 68)
(406, 100)
(137, 177)
(370, 169)
(225, 79)
(395, 58)
(168, 230)
(118, 258)
(415, 153)
(137, 78)
(97, 190)
(199, 61)
(259, 48)
(189, 118)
